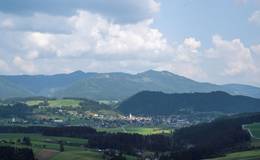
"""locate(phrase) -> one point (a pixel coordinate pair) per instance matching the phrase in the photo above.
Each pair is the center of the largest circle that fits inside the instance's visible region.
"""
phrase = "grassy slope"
(70, 153)
(139, 130)
(246, 155)
(56, 103)
(78, 155)
(34, 102)
(255, 129)
(64, 102)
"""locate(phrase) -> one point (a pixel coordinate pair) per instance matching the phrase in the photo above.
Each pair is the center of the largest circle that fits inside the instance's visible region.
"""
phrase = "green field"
(50, 142)
(138, 130)
(78, 155)
(64, 102)
(255, 129)
(44, 145)
(34, 102)
(246, 155)
(56, 102)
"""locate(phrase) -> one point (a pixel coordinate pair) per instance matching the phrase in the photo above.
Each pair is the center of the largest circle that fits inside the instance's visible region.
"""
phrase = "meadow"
(137, 130)
(246, 155)
(254, 129)
(56, 102)
(47, 147)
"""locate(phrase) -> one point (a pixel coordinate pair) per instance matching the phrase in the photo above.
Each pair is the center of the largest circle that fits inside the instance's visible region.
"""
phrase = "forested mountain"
(9, 89)
(113, 86)
(158, 103)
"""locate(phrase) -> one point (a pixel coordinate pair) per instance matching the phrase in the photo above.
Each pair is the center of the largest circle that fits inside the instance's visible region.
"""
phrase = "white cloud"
(24, 65)
(255, 18)
(93, 34)
(7, 24)
(233, 57)
(188, 51)
(192, 43)
(92, 42)
(3, 66)
(256, 49)
(154, 6)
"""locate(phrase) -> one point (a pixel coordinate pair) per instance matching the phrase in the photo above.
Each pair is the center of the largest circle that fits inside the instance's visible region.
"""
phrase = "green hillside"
(8, 90)
(113, 86)
(158, 103)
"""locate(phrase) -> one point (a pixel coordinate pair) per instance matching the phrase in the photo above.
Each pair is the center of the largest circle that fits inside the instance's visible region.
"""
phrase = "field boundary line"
(249, 131)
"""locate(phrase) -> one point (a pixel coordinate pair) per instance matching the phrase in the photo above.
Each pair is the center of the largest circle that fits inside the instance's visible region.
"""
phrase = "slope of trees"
(11, 153)
(158, 103)
(17, 110)
(130, 142)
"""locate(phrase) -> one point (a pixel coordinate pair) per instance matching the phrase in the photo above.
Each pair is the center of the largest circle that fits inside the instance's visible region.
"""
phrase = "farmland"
(246, 155)
(137, 130)
(47, 147)
(56, 102)
(254, 129)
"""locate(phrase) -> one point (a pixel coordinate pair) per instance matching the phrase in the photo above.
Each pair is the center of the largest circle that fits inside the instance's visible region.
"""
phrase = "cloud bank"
(45, 41)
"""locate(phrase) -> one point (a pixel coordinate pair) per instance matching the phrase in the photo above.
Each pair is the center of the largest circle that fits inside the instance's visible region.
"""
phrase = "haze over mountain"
(113, 86)
(158, 103)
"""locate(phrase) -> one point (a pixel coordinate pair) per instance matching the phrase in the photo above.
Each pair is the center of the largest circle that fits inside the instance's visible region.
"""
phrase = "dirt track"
(46, 154)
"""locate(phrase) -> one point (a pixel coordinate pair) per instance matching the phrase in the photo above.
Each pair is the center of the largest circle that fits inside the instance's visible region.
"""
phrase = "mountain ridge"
(117, 85)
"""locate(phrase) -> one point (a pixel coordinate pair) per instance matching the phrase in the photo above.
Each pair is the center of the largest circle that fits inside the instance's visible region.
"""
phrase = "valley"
(129, 123)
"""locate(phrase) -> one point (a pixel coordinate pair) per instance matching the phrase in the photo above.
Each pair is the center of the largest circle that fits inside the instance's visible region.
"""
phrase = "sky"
(210, 41)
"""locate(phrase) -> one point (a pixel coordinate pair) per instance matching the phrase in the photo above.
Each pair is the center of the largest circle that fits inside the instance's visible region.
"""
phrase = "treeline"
(15, 110)
(158, 103)
(196, 142)
(130, 142)
(121, 141)
(68, 131)
(11, 153)
(213, 139)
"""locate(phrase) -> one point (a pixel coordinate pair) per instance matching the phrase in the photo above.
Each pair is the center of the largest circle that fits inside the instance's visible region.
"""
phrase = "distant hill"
(8, 89)
(118, 86)
(158, 103)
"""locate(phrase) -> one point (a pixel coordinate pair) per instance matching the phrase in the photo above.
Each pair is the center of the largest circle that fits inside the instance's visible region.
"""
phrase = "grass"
(34, 102)
(255, 129)
(245, 155)
(57, 102)
(38, 137)
(138, 130)
(78, 155)
(72, 152)
(64, 102)
(38, 141)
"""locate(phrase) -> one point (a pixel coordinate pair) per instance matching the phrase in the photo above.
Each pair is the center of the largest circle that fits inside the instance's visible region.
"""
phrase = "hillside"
(8, 90)
(158, 103)
(118, 86)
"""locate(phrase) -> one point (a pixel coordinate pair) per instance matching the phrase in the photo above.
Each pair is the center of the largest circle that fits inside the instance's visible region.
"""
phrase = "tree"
(61, 146)
(26, 141)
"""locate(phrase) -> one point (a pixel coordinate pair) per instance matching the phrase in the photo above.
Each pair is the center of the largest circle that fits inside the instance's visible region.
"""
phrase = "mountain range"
(159, 103)
(110, 86)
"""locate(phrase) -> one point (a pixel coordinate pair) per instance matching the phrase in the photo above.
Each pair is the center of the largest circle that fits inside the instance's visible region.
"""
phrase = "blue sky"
(215, 41)
(201, 18)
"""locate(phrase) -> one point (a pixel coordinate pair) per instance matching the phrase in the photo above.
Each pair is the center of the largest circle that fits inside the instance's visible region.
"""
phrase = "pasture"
(137, 130)
(246, 155)
(254, 129)
(56, 102)
(47, 147)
